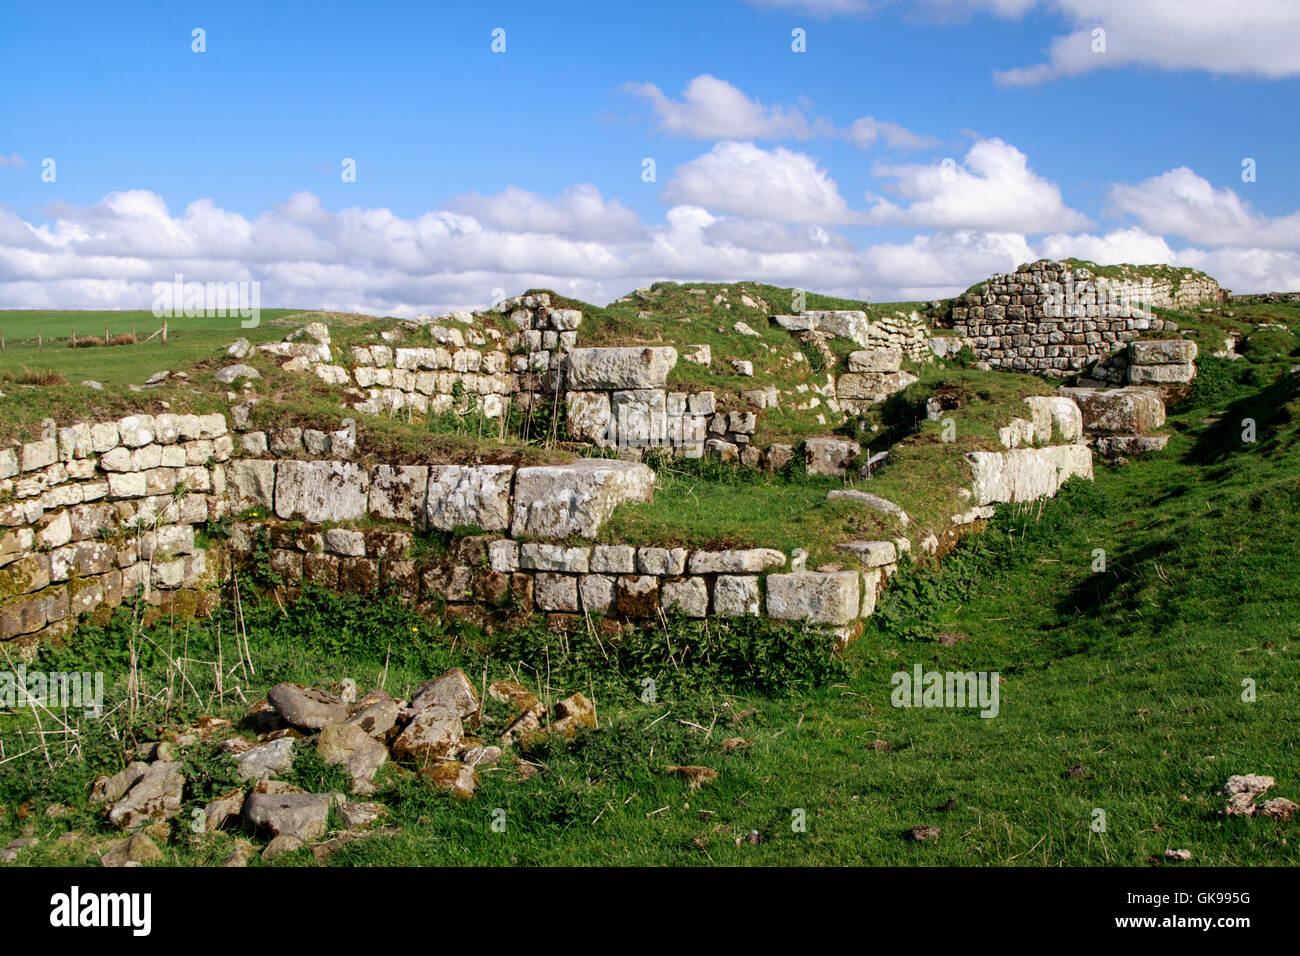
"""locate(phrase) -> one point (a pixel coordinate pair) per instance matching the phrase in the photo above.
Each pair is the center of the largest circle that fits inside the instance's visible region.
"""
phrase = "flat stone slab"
(1130, 446)
(873, 554)
(469, 496)
(620, 368)
(876, 360)
(1118, 411)
(321, 491)
(301, 815)
(559, 501)
(814, 597)
(874, 502)
(1026, 474)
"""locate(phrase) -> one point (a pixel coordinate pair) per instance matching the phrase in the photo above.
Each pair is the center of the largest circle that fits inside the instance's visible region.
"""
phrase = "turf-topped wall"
(1057, 320)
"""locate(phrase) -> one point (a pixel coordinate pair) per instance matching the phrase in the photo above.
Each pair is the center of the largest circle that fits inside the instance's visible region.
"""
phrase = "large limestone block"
(1162, 352)
(1161, 374)
(872, 387)
(640, 418)
(1057, 411)
(750, 561)
(587, 415)
(830, 456)
(557, 501)
(814, 597)
(397, 492)
(876, 360)
(469, 496)
(320, 491)
(1118, 411)
(1026, 474)
(611, 368)
(844, 323)
(250, 482)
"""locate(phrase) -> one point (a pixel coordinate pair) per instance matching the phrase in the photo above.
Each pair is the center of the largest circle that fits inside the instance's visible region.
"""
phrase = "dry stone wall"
(905, 332)
(1057, 321)
(96, 513)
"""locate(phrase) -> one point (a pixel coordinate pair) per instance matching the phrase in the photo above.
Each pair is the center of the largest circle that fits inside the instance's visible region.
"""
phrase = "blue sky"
(479, 170)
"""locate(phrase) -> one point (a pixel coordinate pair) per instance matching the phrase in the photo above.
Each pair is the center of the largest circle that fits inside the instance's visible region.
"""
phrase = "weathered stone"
(306, 707)
(376, 719)
(356, 815)
(687, 596)
(588, 416)
(1161, 374)
(303, 816)
(830, 456)
(267, 760)
(661, 561)
(135, 850)
(1026, 474)
(1055, 415)
(873, 554)
(114, 788)
(223, 811)
(1118, 411)
(454, 776)
(555, 592)
(750, 561)
(1162, 352)
(613, 559)
(596, 592)
(735, 595)
(361, 754)
(232, 373)
(559, 501)
(320, 491)
(342, 541)
(475, 496)
(874, 502)
(534, 556)
(1130, 446)
(450, 691)
(156, 796)
(814, 597)
(572, 714)
(877, 360)
(432, 734)
(398, 492)
(251, 483)
(620, 368)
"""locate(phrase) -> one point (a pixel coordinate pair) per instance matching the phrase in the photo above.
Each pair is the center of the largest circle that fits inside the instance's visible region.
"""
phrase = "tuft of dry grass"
(35, 376)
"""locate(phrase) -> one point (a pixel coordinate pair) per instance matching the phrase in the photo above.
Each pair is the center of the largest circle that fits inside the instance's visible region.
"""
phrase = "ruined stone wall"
(95, 513)
(905, 332)
(510, 571)
(1056, 321)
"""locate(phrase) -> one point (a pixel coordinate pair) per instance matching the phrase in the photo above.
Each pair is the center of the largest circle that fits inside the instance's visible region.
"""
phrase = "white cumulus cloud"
(1182, 203)
(774, 184)
(993, 190)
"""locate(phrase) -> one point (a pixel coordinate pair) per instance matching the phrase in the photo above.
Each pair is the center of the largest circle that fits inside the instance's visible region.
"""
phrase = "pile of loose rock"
(432, 735)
